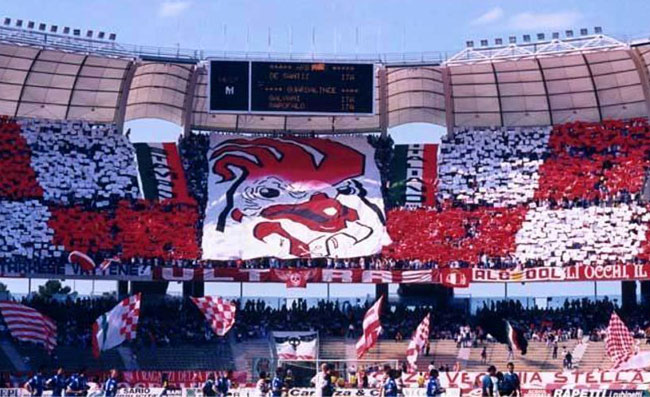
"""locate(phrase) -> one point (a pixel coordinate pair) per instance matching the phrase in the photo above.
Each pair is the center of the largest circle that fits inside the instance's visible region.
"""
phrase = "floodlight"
(512, 39)
(30, 25)
(498, 41)
(484, 43)
(584, 31)
(469, 44)
(568, 33)
(41, 27)
(598, 29)
(526, 38)
(54, 28)
(7, 21)
(541, 36)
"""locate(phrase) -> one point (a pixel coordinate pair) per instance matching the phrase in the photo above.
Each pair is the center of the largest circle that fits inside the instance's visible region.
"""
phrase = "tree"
(51, 288)
(3, 288)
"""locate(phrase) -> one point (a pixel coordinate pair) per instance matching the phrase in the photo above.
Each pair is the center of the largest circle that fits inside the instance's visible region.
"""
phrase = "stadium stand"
(592, 235)
(80, 162)
(507, 197)
(173, 335)
(492, 167)
(595, 161)
(454, 235)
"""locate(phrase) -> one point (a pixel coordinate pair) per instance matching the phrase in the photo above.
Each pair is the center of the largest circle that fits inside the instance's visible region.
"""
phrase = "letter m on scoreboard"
(413, 176)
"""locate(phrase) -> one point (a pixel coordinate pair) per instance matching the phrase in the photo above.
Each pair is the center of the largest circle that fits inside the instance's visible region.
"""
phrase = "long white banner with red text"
(450, 277)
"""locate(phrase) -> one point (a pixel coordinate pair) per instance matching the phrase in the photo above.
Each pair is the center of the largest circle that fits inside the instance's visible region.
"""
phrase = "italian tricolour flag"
(119, 324)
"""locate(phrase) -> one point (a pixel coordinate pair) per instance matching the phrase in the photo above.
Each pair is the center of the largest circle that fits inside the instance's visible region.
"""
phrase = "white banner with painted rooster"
(292, 198)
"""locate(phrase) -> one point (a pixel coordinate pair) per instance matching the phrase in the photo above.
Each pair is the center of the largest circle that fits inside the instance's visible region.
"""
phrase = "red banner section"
(569, 273)
(176, 378)
(450, 277)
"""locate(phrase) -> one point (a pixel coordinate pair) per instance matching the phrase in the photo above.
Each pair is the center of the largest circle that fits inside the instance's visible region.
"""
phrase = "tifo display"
(75, 195)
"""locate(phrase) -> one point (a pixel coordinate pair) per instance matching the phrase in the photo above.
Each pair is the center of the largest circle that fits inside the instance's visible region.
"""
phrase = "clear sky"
(333, 26)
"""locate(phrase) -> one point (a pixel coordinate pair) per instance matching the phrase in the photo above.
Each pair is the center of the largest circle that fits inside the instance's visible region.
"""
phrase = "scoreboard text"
(291, 87)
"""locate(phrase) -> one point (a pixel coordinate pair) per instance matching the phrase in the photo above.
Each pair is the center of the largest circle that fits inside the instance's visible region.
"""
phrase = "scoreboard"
(291, 88)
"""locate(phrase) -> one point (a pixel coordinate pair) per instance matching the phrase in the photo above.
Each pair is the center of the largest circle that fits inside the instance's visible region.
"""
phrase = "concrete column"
(193, 288)
(628, 292)
(122, 289)
(381, 289)
(645, 293)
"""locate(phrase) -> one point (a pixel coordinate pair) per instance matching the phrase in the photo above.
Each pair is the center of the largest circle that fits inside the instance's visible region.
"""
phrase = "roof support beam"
(593, 84)
(496, 84)
(74, 85)
(450, 117)
(548, 98)
(188, 106)
(644, 76)
(22, 89)
(383, 100)
(120, 111)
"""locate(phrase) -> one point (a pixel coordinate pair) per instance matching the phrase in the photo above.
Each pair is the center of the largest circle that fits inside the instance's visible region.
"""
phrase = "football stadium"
(298, 198)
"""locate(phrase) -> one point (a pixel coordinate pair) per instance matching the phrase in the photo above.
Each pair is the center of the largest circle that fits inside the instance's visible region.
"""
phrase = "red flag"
(220, 313)
(371, 328)
(418, 342)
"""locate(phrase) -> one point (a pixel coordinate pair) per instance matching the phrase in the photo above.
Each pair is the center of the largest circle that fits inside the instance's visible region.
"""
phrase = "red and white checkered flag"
(418, 342)
(116, 326)
(619, 342)
(371, 328)
(219, 313)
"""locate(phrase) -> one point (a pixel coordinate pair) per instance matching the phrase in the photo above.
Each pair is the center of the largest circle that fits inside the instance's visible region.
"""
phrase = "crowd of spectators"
(590, 236)
(506, 198)
(495, 167)
(575, 319)
(595, 162)
(170, 321)
(80, 162)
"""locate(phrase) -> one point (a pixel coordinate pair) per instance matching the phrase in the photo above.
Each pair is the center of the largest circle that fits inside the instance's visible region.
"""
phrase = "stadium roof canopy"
(590, 79)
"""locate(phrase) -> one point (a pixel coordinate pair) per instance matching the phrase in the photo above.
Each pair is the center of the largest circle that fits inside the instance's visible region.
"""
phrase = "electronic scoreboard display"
(291, 87)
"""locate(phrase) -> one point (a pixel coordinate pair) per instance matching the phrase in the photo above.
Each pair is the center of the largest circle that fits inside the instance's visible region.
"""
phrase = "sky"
(335, 27)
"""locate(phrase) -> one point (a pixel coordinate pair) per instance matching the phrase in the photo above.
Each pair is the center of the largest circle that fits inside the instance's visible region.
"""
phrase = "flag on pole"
(220, 313)
(418, 342)
(504, 332)
(371, 328)
(116, 326)
(516, 338)
(621, 348)
(619, 342)
(27, 324)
